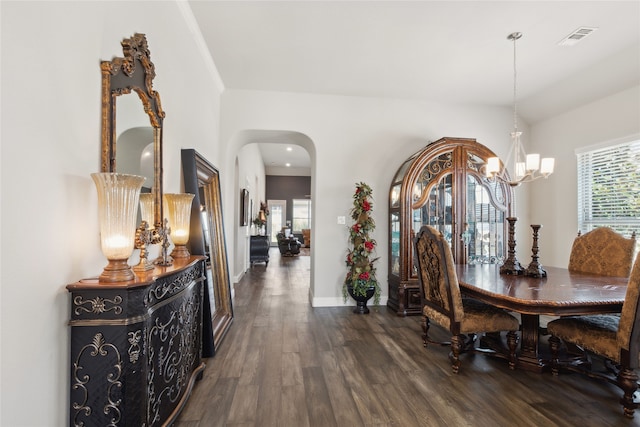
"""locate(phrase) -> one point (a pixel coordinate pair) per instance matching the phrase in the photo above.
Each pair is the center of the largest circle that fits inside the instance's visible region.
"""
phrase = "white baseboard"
(339, 301)
(238, 277)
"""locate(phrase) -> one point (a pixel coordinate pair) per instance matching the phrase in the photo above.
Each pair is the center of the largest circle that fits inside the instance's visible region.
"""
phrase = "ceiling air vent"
(576, 36)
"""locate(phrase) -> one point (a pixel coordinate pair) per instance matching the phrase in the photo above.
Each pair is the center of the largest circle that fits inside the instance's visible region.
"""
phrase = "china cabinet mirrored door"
(444, 186)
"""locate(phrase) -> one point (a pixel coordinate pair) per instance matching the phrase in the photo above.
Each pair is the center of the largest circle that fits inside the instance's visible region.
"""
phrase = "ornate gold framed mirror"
(206, 237)
(132, 73)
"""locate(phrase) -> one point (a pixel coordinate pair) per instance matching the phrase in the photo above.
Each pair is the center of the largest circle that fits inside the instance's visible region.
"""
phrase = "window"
(301, 214)
(609, 188)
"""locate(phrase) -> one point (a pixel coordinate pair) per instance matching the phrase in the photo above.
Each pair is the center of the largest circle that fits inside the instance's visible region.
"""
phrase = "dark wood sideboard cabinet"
(445, 186)
(136, 346)
(259, 249)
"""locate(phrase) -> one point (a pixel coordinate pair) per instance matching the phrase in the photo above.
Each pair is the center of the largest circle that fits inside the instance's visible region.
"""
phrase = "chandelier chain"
(515, 37)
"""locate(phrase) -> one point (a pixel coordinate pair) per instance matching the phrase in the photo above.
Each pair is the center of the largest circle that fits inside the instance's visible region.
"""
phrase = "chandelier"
(525, 167)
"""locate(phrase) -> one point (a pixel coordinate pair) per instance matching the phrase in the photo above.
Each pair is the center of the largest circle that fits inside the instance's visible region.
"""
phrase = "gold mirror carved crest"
(134, 72)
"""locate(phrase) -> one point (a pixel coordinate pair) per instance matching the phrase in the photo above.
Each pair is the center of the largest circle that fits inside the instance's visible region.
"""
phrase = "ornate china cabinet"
(136, 346)
(444, 186)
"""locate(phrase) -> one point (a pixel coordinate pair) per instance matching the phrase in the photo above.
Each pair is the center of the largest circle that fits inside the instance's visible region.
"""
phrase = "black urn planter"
(361, 301)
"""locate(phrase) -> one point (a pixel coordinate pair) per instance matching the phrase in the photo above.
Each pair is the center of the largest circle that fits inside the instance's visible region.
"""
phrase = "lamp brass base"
(143, 266)
(180, 251)
(117, 271)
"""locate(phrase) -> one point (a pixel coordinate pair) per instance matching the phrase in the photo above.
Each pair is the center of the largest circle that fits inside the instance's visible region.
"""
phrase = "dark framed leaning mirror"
(206, 237)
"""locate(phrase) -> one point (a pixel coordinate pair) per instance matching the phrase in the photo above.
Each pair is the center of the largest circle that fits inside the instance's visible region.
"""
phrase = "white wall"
(356, 139)
(50, 138)
(554, 201)
(251, 176)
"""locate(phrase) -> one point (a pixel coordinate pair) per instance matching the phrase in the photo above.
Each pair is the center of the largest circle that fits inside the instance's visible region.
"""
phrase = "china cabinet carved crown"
(445, 186)
(135, 342)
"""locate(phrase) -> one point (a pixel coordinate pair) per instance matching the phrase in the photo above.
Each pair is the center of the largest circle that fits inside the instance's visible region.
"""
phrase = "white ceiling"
(441, 51)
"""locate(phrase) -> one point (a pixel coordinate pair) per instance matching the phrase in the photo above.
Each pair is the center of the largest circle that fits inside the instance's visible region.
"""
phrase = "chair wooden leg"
(628, 382)
(454, 356)
(425, 330)
(554, 345)
(512, 342)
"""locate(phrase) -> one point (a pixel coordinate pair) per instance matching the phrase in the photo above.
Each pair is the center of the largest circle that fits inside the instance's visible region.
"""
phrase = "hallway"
(284, 363)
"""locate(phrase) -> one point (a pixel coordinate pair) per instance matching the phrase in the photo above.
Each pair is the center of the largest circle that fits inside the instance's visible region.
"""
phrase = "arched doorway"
(244, 147)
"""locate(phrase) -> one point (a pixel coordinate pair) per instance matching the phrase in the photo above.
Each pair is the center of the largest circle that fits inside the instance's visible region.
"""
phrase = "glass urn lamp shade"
(146, 208)
(118, 196)
(178, 208)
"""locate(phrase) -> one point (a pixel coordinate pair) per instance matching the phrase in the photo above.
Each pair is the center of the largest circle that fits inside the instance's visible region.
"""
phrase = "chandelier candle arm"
(546, 166)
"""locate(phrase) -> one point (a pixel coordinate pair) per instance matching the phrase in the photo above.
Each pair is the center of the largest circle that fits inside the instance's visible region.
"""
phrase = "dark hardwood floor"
(284, 363)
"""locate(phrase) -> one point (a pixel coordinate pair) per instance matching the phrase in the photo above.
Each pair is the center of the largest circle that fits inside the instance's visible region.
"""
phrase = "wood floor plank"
(395, 351)
(289, 336)
(344, 407)
(293, 407)
(291, 369)
(286, 364)
(364, 397)
(210, 405)
(308, 349)
(269, 403)
(317, 397)
(244, 405)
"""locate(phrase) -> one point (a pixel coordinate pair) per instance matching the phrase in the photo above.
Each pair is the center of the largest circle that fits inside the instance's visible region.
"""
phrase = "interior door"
(276, 219)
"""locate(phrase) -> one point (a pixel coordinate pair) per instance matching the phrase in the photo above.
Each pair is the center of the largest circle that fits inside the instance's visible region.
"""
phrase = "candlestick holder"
(535, 269)
(511, 265)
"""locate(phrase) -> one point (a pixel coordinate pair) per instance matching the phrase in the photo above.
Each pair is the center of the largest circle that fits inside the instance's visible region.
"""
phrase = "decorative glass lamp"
(118, 196)
(178, 208)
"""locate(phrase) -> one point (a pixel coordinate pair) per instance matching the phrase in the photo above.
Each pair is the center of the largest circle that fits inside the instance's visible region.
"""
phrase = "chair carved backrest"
(602, 251)
(628, 337)
(439, 286)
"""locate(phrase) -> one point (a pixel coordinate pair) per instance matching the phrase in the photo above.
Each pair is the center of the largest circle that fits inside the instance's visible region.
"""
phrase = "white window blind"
(609, 188)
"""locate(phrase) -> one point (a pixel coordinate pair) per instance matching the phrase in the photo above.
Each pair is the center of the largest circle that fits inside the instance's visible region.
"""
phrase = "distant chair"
(616, 338)
(288, 246)
(602, 251)
(306, 237)
(443, 303)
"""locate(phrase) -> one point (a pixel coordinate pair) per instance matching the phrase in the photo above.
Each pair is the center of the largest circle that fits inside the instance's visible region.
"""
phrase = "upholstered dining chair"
(602, 251)
(443, 303)
(616, 338)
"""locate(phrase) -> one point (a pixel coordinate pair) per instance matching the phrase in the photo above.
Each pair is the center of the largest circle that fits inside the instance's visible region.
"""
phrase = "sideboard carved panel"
(136, 346)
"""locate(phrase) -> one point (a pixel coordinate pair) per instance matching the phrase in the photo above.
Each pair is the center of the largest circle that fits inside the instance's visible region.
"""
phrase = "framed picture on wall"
(244, 207)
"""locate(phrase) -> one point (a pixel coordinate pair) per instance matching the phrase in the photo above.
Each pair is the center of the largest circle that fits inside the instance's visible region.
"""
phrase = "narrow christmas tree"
(361, 282)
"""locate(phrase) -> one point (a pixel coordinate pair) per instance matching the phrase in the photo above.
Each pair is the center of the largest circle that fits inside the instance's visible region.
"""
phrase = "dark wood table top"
(560, 293)
(140, 279)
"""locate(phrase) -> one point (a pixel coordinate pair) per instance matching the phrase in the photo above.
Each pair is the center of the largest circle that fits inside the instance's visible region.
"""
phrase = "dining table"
(560, 293)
